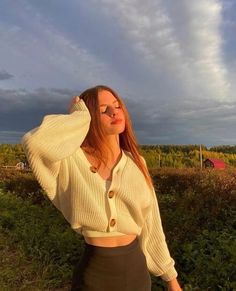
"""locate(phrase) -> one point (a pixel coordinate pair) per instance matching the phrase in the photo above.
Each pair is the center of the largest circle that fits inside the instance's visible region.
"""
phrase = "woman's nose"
(112, 112)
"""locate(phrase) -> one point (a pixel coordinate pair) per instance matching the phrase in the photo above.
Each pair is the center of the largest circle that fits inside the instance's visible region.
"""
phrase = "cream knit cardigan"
(59, 164)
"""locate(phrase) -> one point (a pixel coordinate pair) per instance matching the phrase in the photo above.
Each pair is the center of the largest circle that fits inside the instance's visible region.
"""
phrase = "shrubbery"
(198, 214)
(23, 184)
(41, 233)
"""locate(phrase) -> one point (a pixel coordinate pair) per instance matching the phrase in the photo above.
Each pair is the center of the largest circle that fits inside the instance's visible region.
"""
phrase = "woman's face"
(112, 116)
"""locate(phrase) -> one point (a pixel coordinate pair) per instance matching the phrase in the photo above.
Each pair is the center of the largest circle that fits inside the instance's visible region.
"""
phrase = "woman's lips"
(117, 121)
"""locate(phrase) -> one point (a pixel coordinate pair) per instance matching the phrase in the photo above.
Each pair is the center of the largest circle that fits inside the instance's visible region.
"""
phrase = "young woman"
(89, 165)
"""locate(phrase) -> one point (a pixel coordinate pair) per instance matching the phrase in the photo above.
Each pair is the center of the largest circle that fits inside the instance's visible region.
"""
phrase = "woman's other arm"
(154, 246)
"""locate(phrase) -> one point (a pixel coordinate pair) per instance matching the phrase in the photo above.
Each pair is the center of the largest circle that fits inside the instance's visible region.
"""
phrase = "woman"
(88, 163)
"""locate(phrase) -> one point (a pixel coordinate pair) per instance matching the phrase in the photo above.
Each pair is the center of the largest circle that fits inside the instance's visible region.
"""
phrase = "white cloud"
(190, 53)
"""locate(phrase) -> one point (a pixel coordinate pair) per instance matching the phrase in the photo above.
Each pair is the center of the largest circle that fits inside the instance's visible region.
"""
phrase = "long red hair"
(95, 140)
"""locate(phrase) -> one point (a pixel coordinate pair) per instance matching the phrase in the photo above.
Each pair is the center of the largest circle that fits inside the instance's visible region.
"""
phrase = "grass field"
(38, 249)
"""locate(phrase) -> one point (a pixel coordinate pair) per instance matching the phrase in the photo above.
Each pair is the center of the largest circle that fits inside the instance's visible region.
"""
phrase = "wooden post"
(201, 156)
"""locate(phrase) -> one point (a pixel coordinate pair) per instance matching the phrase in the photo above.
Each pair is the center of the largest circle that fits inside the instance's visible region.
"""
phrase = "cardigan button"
(112, 222)
(111, 194)
(93, 169)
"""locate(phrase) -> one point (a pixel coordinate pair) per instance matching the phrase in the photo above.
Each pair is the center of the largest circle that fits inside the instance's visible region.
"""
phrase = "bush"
(198, 215)
(22, 184)
(209, 261)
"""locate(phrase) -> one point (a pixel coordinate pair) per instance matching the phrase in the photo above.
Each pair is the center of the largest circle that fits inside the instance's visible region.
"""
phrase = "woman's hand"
(75, 100)
(173, 285)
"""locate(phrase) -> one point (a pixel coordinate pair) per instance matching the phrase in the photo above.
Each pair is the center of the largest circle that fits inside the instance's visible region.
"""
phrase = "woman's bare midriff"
(115, 241)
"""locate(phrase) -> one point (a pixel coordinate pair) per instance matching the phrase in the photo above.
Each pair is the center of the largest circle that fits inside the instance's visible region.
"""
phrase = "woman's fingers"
(75, 99)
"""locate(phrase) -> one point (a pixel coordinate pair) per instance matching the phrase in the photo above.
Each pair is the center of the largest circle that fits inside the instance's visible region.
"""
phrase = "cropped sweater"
(127, 206)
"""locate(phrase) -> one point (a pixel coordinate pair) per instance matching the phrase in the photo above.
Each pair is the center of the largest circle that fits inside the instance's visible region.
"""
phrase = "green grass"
(37, 247)
(17, 271)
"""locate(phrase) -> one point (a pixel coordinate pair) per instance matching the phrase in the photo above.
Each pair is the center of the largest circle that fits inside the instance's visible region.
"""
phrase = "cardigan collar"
(118, 167)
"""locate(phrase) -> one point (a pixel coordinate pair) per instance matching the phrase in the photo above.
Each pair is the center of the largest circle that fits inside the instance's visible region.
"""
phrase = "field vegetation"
(38, 248)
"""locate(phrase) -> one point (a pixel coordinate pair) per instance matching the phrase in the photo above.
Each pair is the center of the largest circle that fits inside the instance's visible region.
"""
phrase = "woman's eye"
(104, 111)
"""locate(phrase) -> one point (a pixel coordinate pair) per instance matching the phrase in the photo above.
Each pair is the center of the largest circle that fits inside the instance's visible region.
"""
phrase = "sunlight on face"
(111, 113)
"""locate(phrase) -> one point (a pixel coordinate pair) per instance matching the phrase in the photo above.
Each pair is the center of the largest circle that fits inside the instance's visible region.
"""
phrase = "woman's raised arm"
(57, 137)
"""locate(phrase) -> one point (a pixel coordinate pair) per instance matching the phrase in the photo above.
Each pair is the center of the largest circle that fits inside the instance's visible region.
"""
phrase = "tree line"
(173, 156)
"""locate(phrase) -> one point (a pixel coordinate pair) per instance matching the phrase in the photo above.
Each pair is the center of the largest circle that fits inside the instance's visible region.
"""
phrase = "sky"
(172, 62)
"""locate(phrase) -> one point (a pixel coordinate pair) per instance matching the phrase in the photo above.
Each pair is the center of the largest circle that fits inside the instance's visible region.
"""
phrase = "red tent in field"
(214, 163)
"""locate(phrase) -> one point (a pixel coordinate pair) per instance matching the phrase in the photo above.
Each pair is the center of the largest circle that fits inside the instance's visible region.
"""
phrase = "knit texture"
(62, 169)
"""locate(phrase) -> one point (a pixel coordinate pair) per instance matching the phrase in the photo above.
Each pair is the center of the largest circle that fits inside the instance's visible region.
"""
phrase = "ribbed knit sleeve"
(58, 136)
(153, 244)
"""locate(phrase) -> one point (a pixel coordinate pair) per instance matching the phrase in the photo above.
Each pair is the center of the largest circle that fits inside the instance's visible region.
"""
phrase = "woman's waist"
(110, 241)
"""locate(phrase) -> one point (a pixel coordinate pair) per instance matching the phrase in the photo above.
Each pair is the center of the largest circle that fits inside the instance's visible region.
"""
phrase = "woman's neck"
(113, 143)
(113, 152)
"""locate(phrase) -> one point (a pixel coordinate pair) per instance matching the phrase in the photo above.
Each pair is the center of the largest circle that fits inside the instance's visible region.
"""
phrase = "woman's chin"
(115, 130)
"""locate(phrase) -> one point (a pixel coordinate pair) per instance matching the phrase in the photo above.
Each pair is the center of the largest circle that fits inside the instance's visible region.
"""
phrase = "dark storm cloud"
(154, 123)
(187, 123)
(4, 75)
(22, 110)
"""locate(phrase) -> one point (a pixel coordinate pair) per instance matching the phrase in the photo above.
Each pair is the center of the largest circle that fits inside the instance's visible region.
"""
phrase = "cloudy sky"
(172, 61)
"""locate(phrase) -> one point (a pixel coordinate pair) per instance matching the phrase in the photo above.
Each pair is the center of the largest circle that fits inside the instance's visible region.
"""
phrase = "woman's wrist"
(173, 285)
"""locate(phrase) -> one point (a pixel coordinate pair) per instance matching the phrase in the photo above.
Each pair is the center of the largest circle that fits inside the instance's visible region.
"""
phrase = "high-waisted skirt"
(122, 268)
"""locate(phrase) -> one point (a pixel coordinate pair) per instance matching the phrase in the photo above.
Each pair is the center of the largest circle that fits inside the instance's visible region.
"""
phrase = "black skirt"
(121, 268)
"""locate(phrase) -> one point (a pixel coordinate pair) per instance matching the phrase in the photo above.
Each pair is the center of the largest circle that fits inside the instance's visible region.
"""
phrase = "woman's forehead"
(106, 97)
